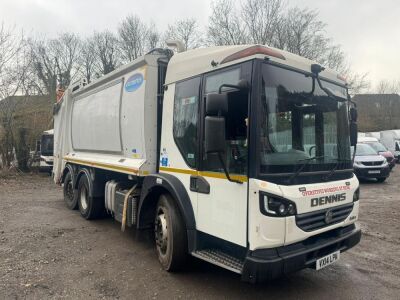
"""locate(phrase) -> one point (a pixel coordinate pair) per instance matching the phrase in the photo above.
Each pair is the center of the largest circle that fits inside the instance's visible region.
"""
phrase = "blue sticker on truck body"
(134, 82)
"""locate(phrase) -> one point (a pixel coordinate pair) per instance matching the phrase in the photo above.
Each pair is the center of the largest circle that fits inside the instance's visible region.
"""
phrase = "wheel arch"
(68, 169)
(84, 172)
(157, 184)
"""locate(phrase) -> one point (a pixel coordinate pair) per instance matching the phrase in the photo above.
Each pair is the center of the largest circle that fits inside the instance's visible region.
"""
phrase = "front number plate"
(327, 260)
(374, 172)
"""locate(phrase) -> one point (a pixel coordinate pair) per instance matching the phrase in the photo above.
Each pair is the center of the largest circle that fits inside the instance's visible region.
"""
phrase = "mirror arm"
(328, 92)
(226, 170)
(313, 86)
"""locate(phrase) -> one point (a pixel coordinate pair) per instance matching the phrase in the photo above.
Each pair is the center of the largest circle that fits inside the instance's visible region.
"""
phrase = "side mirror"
(217, 104)
(353, 133)
(214, 132)
(353, 114)
(37, 146)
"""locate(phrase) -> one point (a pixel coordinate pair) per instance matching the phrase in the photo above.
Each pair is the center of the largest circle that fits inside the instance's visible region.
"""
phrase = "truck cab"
(267, 169)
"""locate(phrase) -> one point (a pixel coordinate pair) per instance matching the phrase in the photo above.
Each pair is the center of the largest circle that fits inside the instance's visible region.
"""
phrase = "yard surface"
(48, 251)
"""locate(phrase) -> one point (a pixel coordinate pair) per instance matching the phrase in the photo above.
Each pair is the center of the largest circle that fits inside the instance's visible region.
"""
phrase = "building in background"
(377, 112)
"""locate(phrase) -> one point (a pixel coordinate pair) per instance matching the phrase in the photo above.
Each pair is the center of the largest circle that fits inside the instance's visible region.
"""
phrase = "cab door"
(222, 204)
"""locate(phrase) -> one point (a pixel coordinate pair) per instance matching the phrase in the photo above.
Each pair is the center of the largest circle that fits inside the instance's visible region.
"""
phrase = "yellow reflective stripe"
(241, 178)
(182, 171)
(102, 165)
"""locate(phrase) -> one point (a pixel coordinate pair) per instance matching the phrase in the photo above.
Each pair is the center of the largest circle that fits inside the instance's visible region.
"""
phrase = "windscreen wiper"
(306, 161)
(329, 175)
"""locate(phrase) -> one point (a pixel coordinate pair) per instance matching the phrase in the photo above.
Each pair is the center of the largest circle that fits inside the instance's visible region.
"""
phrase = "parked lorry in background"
(236, 155)
(44, 151)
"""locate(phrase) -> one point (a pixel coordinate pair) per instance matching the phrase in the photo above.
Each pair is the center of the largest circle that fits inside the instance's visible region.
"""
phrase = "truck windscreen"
(46, 145)
(296, 124)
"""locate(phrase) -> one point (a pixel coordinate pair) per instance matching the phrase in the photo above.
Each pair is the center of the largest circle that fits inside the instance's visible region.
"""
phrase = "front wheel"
(170, 234)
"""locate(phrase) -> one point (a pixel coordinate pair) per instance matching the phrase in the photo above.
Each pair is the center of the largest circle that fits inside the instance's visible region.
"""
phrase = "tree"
(87, 59)
(388, 87)
(13, 70)
(305, 35)
(153, 38)
(357, 82)
(54, 61)
(133, 36)
(263, 20)
(187, 31)
(225, 27)
(106, 50)
(13, 61)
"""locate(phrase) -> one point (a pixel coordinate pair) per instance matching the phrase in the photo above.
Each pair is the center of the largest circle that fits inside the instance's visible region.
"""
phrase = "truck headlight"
(275, 206)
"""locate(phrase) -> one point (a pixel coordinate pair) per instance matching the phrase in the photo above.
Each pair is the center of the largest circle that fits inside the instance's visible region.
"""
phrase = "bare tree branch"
(225, 26)
(54, 61)
(107, 52)
(388, 87)
(262, 19)
(185, 30)
(133, 35)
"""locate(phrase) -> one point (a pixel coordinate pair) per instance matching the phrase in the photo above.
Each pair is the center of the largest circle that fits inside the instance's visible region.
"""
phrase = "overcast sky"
(367, 30)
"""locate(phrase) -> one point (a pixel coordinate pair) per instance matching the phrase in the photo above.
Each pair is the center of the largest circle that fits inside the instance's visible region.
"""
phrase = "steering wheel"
(309, 150)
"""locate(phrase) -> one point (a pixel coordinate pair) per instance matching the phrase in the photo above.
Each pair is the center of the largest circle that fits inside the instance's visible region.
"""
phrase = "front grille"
(372, 163)
(317, 219)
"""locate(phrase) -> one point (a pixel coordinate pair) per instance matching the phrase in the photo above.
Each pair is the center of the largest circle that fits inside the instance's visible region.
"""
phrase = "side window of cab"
(185, 124)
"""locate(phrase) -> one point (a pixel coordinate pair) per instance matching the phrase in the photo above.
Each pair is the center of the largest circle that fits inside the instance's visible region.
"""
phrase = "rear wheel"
(89, 206)
(382, 179)
(70, 195)
(170, 234)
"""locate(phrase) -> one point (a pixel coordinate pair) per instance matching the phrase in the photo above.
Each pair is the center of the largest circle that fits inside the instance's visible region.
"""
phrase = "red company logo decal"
(326, 190)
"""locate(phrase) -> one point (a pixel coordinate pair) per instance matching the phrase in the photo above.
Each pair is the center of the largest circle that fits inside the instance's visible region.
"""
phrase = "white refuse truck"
(237, 155)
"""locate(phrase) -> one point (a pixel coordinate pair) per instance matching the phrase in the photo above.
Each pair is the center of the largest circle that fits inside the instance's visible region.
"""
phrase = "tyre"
(70, 195)
(170, 234)
(89, 207)
(382, 179)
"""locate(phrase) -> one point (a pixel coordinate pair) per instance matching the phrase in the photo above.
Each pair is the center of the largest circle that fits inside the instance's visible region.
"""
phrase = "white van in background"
(391, 140)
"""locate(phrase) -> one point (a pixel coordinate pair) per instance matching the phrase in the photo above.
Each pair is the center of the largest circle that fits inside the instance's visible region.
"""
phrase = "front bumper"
(392, 163)
(364, 172)
(266, 264)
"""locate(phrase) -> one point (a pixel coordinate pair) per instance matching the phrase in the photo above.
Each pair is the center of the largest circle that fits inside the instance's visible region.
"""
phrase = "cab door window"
(236, 122)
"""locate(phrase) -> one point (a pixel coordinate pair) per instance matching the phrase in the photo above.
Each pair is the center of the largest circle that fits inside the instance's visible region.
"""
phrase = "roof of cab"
(190, 63)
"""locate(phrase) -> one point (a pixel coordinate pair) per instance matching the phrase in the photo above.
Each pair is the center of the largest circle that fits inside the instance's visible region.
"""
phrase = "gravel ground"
(47, 251)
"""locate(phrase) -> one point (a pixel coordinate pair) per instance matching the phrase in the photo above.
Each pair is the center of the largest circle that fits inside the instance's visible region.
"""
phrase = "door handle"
(199, 184)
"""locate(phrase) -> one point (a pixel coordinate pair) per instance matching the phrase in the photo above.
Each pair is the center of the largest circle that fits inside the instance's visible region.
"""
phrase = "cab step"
(220, 259)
